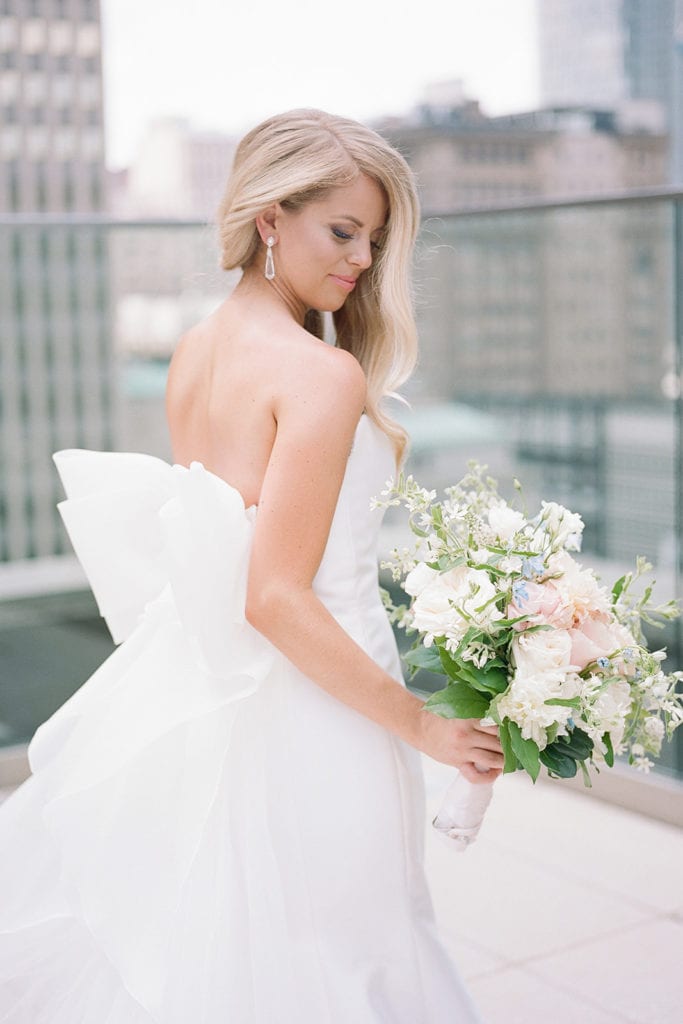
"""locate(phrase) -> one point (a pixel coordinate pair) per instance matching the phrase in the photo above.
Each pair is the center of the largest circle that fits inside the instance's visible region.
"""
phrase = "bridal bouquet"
(527, 638)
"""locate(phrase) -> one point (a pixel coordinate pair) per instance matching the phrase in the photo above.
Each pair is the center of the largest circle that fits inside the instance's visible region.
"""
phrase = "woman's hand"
(461, 743)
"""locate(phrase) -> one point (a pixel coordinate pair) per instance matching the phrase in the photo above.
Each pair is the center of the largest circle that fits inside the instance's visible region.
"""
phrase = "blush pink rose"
(595, 639)
(543, 606)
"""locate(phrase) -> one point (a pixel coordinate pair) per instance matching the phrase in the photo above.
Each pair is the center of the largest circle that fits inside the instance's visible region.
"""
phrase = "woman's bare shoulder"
(322, 377)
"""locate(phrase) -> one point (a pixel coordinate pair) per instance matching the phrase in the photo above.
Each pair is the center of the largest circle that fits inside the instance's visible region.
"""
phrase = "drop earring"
(270, 266)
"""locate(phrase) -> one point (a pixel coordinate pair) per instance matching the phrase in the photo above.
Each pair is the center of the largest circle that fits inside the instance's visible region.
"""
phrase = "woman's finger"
(487, 758)
(469, 771)
(491, 729)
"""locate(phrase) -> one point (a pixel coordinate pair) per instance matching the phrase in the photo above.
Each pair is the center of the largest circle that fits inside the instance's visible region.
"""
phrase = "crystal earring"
(270, 266)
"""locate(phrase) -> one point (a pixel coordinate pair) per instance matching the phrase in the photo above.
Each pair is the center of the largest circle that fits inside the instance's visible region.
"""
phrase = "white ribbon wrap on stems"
(462, 811)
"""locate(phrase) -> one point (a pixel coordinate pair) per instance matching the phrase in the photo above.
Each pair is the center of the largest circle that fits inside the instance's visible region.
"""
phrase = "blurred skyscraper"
(615, 54)
(51, 144)
(677, 103)
(58, 382)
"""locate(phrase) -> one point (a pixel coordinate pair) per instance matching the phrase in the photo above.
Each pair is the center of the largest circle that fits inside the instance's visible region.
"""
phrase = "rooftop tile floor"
(565, 909)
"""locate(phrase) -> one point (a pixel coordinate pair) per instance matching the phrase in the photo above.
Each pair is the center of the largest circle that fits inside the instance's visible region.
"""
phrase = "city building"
(178, 172)
(618, 55)
(677, 99)
(464, 160)
(58, 379)
(51, 111)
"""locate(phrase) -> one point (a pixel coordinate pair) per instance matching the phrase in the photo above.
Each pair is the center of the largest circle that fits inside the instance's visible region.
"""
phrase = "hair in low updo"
(300, 156)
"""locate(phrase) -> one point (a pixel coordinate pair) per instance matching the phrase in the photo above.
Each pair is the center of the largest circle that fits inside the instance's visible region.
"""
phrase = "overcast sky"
(226, 65)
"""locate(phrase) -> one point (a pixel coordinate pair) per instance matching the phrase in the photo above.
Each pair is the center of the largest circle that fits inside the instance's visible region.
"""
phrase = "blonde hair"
(297, 157)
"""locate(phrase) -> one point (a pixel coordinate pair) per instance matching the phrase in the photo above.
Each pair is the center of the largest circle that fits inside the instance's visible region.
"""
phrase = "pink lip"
(345, 282)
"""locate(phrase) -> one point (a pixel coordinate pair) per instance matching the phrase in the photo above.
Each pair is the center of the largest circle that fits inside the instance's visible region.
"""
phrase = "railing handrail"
(660, 193)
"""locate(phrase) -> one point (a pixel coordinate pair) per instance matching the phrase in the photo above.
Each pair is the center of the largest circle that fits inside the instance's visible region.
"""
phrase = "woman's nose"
(362, 254)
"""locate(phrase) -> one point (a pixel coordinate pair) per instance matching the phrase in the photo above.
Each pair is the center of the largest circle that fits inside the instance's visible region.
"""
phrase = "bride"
(226, 821)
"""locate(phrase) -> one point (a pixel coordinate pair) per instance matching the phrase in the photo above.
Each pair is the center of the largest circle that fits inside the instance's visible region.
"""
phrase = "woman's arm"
(316, 422)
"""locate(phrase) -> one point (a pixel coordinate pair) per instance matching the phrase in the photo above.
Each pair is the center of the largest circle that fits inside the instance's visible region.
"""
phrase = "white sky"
(227, 64)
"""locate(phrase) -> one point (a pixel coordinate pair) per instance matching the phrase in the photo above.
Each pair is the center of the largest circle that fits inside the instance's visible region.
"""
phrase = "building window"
(13, 178)
(88, 40)
(36, 143)
(35, 89)
(91, 146)
(64, 143)
(61, 37)
(63, 90)
(41, 188)
(89, 10)
(96, 188)
(34, 35)
(10, 143)
(9, 34)
(90, 91)
(69, 190)
(9, 87)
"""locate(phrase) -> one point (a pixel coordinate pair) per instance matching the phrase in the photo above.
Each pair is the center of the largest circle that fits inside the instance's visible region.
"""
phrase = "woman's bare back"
(223, 383)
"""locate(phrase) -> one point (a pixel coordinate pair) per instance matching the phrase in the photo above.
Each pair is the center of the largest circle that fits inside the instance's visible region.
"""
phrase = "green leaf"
(558, 763)
(617, 588)
(506, 743)
(578, 744)
(457, 700)
(493, 679)
(609, 754)
(451, 665)
(485, 679)
(551, 732)
(525, 750)
(561, 756)
(564, 702)
(424, 657)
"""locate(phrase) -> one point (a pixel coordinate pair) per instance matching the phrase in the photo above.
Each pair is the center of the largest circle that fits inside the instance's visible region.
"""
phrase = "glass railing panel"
(548, 351)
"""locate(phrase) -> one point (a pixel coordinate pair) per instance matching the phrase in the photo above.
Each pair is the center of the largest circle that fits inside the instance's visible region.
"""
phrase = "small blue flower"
(603, 662)
(570, 722)
(520, 594)
(627, 654)
(534, 566)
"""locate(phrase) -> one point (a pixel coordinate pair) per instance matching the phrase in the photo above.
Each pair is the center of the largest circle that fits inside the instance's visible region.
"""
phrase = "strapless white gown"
(207, 835)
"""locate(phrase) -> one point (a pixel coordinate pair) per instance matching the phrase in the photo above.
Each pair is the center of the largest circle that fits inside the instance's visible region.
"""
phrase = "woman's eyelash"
(338, 233)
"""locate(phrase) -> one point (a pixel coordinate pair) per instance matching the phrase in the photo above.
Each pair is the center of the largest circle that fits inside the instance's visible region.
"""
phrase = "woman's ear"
(266, 222)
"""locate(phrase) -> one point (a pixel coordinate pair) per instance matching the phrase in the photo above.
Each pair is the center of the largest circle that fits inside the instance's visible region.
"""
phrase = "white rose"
(435, 608)
(524, 703)
(543, 651)
(418, 578)
(505, 522)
